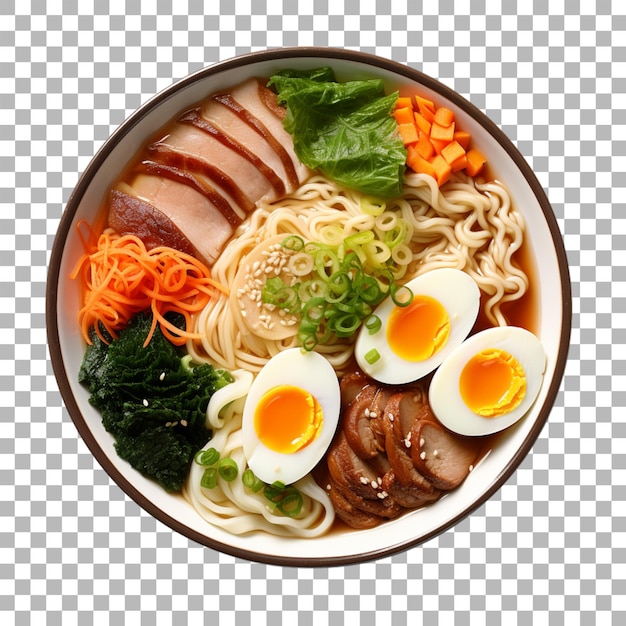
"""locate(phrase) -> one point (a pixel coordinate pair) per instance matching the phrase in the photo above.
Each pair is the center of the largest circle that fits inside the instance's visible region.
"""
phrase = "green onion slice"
(373, 324)
(228, 469)
(293, 242)
(209, 478)
(251, 481)
(207, 457)
(372, 356)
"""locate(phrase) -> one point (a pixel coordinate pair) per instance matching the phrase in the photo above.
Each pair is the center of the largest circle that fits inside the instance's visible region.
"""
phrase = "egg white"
(456, 291)
(309, 371)
(444, 393)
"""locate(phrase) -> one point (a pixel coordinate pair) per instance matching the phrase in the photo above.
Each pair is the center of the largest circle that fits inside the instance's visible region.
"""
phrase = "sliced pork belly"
(262, 103)
(215, 164)
(191, 211)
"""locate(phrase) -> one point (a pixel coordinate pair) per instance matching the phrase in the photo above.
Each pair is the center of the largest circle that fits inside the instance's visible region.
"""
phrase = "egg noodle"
(467, 225)
(230, 505)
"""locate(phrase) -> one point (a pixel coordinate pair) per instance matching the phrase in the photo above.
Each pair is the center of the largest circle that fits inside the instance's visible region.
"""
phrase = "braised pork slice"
(193, 213)
(351, 386)
(348, 470)
(397, 447)
(356, 423)
(216, 163)
(406, 497)
(129, 214)
(345, 511)
(442, 457)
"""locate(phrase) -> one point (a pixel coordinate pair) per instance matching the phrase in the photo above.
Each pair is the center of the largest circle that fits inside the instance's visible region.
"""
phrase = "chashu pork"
(215, 165)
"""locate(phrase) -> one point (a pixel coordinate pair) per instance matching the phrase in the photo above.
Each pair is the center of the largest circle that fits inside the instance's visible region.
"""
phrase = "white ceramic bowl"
(553, 295)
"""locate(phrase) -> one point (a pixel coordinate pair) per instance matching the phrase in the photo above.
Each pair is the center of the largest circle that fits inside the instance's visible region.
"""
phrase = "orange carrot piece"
(424, 104)
(444, 116)
(442, 169)
(459, 164)
(404, 102)
(452, 152)
(408, 132)
(121, 278)
(462, 137)
(425, 147)
(442, 133)
(404, 115)
(438, 144)
(422, 123)
(475, 162)
(419, 164)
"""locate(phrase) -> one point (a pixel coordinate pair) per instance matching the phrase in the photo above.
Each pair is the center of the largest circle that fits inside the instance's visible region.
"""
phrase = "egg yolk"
(492, 383)
(287, 418)
(418, 331)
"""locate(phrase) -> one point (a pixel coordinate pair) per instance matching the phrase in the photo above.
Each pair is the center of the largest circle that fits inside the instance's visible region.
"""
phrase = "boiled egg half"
(489, 382)
(413, 340)
(290, 415)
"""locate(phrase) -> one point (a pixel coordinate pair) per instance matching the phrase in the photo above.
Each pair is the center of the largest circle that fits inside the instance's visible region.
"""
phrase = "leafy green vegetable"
(346, 130)
(151, 401)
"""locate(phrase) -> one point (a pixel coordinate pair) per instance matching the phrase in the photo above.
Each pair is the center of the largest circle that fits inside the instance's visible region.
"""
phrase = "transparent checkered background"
(550, 545)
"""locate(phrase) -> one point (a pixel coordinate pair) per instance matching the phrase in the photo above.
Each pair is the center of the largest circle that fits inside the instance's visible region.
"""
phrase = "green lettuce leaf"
(346, 130)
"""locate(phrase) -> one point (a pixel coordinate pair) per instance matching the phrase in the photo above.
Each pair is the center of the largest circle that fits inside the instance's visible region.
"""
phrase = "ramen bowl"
(548, 273)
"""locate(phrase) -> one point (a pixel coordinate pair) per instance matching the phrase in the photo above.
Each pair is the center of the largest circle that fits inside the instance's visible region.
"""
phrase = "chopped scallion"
(207, 457)
(209, 478)
(372, 356)
(228, 469)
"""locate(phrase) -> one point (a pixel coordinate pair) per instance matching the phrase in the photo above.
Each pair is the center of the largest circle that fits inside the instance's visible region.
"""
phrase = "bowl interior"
(549, 272)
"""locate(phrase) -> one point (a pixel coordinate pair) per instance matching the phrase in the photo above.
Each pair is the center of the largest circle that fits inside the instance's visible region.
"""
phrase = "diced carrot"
(442, 133)
(404, 102)
(425, 147)
(419, 164)
(442, 169)
(422, 123)
(438, 144)
(404, 115)
(444, 116)
(459, 164)
(434, 145)
(424, 104)
(463, 138)
(452, 152)
(408, 132)
(475, 162)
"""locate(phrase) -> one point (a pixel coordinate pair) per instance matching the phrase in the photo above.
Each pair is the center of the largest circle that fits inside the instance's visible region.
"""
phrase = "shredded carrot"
(121, 277)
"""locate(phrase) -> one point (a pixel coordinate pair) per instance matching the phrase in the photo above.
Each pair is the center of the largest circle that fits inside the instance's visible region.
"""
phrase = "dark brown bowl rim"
(273, 55)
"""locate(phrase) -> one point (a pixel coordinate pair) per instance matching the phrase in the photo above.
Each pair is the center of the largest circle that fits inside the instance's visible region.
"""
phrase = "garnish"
(151, 400)
(435, 145)
(122, 278)
(346, 130)
(342, 294)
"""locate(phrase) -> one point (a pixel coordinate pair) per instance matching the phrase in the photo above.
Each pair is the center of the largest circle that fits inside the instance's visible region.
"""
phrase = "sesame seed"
(381, 494)
(436, 452)
(423, 455)
(471, 468)
(183, 422)
(145, 402)
(328, 487)
(168, 424)
(422, 442)
(375, 484)
(373, 414)
(364, 480)
(407, 442)
(391, 418)
(162, 376)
